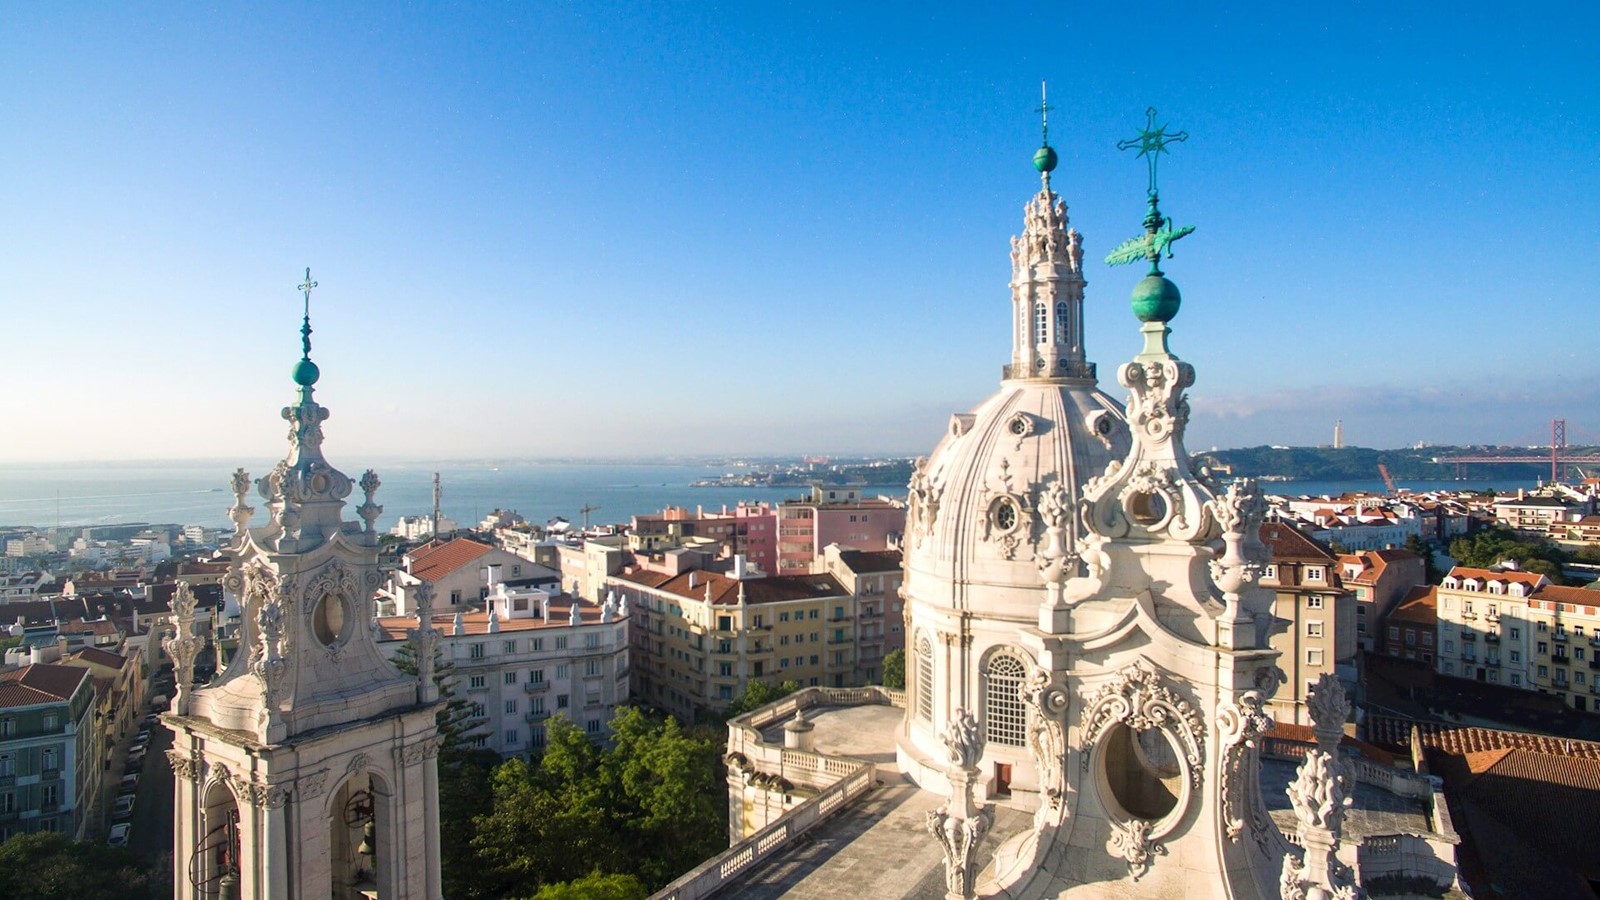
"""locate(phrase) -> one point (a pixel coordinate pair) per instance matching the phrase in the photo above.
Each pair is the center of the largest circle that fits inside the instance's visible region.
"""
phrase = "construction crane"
(586, 510)
(1388, 482)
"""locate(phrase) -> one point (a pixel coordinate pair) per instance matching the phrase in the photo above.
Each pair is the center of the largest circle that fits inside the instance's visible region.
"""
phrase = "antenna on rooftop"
(437, 493)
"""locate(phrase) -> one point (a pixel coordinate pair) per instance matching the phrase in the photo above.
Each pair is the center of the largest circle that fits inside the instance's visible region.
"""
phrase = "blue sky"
(631, 229)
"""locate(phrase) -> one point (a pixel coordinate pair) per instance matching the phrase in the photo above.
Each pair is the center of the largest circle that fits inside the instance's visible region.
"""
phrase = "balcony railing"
(1560, 636)
(1469, 636)
(536, 717)
(536, 687)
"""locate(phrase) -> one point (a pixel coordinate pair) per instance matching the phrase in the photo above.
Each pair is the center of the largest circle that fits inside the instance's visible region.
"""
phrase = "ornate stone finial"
(369, 511)
(963, 741)
(424, 638)
(575, 615)
(1319, 796)
(1326, 702)
(1239, 513)
(960, 824)
(183, 646)
(240, 512)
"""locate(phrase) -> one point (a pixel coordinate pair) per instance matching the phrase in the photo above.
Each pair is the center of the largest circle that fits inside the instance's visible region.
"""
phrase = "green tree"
(548, 821)
(894, 670)
(758, 694)
(1495, 545)
(464, 779)
(1430, 569)
(595, 886)
(651, 806)
(664, 792)
(47, 865)
(452, 717)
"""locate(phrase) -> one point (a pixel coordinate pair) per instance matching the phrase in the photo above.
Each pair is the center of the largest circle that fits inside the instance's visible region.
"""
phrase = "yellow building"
(1564, 634)
(699, 638)
(1320, 614)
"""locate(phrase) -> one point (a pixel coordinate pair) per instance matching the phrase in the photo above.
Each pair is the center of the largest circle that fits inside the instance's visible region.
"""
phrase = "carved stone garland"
(1047, 741)
(1137, 697)
(270, 597)
(1000, 492)
(922, 502)
(1239, 726)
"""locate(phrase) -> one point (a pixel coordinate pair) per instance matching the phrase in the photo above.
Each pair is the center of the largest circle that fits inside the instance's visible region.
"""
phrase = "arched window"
(1005, 719)
(925, 679)
(1041, 323)
(1061, 322)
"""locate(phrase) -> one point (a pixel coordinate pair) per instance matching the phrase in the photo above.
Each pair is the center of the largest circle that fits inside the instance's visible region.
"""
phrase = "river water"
(196, 492)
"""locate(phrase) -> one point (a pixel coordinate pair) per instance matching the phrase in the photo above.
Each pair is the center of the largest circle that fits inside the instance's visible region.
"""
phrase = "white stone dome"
(976, 552)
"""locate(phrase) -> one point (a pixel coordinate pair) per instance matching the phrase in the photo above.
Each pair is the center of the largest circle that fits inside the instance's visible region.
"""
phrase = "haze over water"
(197, 493)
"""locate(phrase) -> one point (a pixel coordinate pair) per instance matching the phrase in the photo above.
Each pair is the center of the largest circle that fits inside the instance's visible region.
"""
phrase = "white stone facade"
(310, 748)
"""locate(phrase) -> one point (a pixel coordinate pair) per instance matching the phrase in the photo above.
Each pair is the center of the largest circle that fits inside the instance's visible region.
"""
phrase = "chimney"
(691, 579)
(738, 567)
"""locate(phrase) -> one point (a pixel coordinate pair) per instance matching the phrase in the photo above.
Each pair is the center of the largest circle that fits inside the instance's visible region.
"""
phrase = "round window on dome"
(1005, 514)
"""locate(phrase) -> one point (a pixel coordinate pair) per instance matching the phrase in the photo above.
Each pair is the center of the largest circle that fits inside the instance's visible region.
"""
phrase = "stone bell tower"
(307, 768)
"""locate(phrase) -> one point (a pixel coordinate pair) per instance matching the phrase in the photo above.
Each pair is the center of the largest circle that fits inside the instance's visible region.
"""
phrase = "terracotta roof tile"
(1531, 579)
(40, 683)
(100, 657)
(1396, 732)
(724, 591)
(1287, 542)
(1420, 605)
(436, 559)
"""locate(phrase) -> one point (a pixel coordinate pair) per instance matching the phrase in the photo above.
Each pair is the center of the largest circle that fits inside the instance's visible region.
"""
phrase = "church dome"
(977, 552)
(975, 525)
(992, 512)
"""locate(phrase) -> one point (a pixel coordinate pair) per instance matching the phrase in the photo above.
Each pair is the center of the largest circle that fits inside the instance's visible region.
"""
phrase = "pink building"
(835, 515)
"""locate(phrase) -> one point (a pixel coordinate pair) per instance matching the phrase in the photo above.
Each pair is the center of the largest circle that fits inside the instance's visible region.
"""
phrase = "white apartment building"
(1484, 631)
(525, 656)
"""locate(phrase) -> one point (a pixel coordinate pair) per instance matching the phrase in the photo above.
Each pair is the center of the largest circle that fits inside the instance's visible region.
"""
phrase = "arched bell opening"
(359, 844)
(214, 860)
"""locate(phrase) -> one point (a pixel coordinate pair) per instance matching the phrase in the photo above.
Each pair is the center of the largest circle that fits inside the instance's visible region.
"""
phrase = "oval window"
(327, 620)
(1143, 771)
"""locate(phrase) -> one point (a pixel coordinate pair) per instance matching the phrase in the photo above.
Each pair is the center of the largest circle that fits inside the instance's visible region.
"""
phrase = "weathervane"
(305, 325)
(1159, 232)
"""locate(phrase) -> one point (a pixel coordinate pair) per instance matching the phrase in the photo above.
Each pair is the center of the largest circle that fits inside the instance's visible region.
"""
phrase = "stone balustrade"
(840, 779)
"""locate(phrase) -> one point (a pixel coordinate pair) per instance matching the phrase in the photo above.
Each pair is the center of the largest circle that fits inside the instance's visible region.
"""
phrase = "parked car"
(119, 835)
(123, 808)
(139, 743)
(135, 761)
(129, 782)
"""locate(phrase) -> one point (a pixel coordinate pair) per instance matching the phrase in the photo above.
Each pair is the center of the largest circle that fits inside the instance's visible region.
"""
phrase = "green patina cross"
(305, 327)
(1152, 142)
